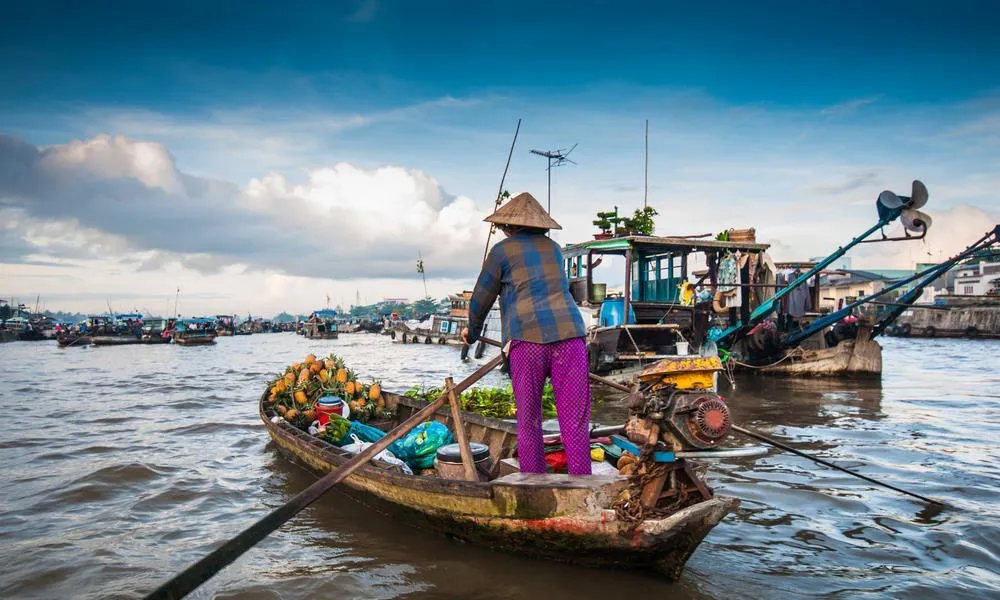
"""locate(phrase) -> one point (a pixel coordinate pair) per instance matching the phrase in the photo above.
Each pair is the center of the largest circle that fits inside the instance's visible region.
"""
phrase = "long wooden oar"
(200, 572)
(775, 443)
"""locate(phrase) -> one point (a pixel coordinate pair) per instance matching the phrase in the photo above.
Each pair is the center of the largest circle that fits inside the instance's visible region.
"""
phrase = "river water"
(120, 466)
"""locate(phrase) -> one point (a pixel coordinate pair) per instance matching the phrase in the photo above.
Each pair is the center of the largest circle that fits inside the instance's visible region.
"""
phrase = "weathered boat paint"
(861, 357)
(557, 517)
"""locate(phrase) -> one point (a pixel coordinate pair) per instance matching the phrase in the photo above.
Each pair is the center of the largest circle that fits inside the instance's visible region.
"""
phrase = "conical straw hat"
(524, 211)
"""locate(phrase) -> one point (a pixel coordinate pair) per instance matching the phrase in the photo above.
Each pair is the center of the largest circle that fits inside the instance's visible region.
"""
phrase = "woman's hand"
(465, 335)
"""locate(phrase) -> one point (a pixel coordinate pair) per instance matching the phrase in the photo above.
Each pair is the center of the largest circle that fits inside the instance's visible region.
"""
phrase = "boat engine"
(677, 400)
(684, 419)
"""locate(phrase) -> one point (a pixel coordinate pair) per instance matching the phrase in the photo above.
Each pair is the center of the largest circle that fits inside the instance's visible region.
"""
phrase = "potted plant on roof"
(608, 222)
(641, 222)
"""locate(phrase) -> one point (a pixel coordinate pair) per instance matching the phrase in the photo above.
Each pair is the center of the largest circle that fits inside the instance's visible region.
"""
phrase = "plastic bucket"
(330, 405)
(682, 348)
(613, 313)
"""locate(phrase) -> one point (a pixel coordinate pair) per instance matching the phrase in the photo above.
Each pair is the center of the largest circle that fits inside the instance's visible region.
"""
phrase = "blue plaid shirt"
(526, 272)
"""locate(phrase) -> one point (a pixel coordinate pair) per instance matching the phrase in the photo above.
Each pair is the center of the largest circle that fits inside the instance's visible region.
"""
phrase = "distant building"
(978, 279)
(847, 285)
(396, 300)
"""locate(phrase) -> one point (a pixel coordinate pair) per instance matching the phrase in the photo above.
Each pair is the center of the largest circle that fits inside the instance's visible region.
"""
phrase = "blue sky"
(790, 116)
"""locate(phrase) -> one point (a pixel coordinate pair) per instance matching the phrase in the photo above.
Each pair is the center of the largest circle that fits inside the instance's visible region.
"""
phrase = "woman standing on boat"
(543, 332)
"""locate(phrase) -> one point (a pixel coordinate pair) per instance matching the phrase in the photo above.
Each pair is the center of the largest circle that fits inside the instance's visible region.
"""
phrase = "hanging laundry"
(766, 277)
(800, 298)
(735, 299)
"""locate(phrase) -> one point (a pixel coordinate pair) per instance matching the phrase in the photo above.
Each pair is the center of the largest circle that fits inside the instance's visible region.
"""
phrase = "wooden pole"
(787, 448)
(500, 191)
(628, 283)
(200, 572)
(463, 441)
(826, 463)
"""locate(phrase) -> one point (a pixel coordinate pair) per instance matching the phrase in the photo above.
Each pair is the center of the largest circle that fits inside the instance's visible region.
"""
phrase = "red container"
(330, 405)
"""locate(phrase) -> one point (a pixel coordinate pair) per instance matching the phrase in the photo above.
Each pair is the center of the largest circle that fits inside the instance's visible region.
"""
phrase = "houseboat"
(120, 330)
(82, 334)
(659, 312)
(157, 331)
(198, 331)
(322, 324)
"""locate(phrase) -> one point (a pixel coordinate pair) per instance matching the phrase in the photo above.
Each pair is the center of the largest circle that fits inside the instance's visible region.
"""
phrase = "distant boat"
(157, 331)
(195, 332)
(123, 329)
(225, 325)
(322, 324)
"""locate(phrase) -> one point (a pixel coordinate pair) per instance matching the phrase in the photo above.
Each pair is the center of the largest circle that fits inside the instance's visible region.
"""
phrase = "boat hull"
(857, 358)
(555, 517)
(331, 335)
(194, 341)
(114, 340)
(76, 340)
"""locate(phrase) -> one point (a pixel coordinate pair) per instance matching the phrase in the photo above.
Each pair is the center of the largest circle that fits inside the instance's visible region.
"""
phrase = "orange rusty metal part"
(684, 372)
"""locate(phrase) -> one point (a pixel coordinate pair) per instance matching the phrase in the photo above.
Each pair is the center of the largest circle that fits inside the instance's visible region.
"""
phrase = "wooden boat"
(858, 357)
(194, 338)
(158, 331)
(195, 332)
(322, 324)
(69, 339)
(556, 517)
(820, 355)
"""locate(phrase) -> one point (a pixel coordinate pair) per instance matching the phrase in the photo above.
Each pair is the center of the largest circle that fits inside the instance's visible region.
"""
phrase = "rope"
(796, 353)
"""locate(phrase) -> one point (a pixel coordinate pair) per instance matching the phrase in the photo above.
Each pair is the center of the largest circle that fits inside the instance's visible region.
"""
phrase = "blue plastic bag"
(418, 448)
(366, 433)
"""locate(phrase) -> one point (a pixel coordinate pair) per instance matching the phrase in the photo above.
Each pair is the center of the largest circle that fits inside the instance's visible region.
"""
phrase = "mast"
(420, 269)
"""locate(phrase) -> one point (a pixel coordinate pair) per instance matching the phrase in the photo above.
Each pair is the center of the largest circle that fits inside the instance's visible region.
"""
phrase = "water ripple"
(133, 463)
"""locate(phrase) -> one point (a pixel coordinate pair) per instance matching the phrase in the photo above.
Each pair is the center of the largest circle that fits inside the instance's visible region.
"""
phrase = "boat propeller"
(907, 208)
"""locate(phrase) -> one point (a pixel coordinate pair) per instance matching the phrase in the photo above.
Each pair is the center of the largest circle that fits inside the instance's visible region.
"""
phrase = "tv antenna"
(556, 158)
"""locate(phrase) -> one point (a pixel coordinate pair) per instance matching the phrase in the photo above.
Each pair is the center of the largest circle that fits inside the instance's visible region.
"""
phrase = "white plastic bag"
(358, 446)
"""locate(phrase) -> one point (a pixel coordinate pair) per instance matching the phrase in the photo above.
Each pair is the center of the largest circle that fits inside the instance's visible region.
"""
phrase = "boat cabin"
(196, 324)
(460, 304)
(321, 324)
(661, 310)
(457, 318)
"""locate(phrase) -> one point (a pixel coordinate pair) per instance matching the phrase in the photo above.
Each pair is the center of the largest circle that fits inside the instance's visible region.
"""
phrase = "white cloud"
(303, 201)
(121, 199)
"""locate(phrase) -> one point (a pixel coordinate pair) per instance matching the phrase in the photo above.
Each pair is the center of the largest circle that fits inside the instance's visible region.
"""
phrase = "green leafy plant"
(495, 402)
(641, 223)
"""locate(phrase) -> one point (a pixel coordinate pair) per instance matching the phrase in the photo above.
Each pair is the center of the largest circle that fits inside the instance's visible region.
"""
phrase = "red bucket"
(330, 405)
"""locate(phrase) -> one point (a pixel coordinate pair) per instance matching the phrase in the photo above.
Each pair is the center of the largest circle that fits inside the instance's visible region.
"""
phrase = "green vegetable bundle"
(335, 430)
(495, 402)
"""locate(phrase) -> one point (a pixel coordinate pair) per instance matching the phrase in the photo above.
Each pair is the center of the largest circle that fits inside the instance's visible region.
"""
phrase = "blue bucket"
(613, 311)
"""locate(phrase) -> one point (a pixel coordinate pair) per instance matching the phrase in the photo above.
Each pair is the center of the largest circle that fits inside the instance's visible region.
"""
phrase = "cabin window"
(967, 290)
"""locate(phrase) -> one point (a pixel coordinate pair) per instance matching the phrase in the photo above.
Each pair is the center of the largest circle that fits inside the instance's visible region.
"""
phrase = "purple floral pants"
(566, 362)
